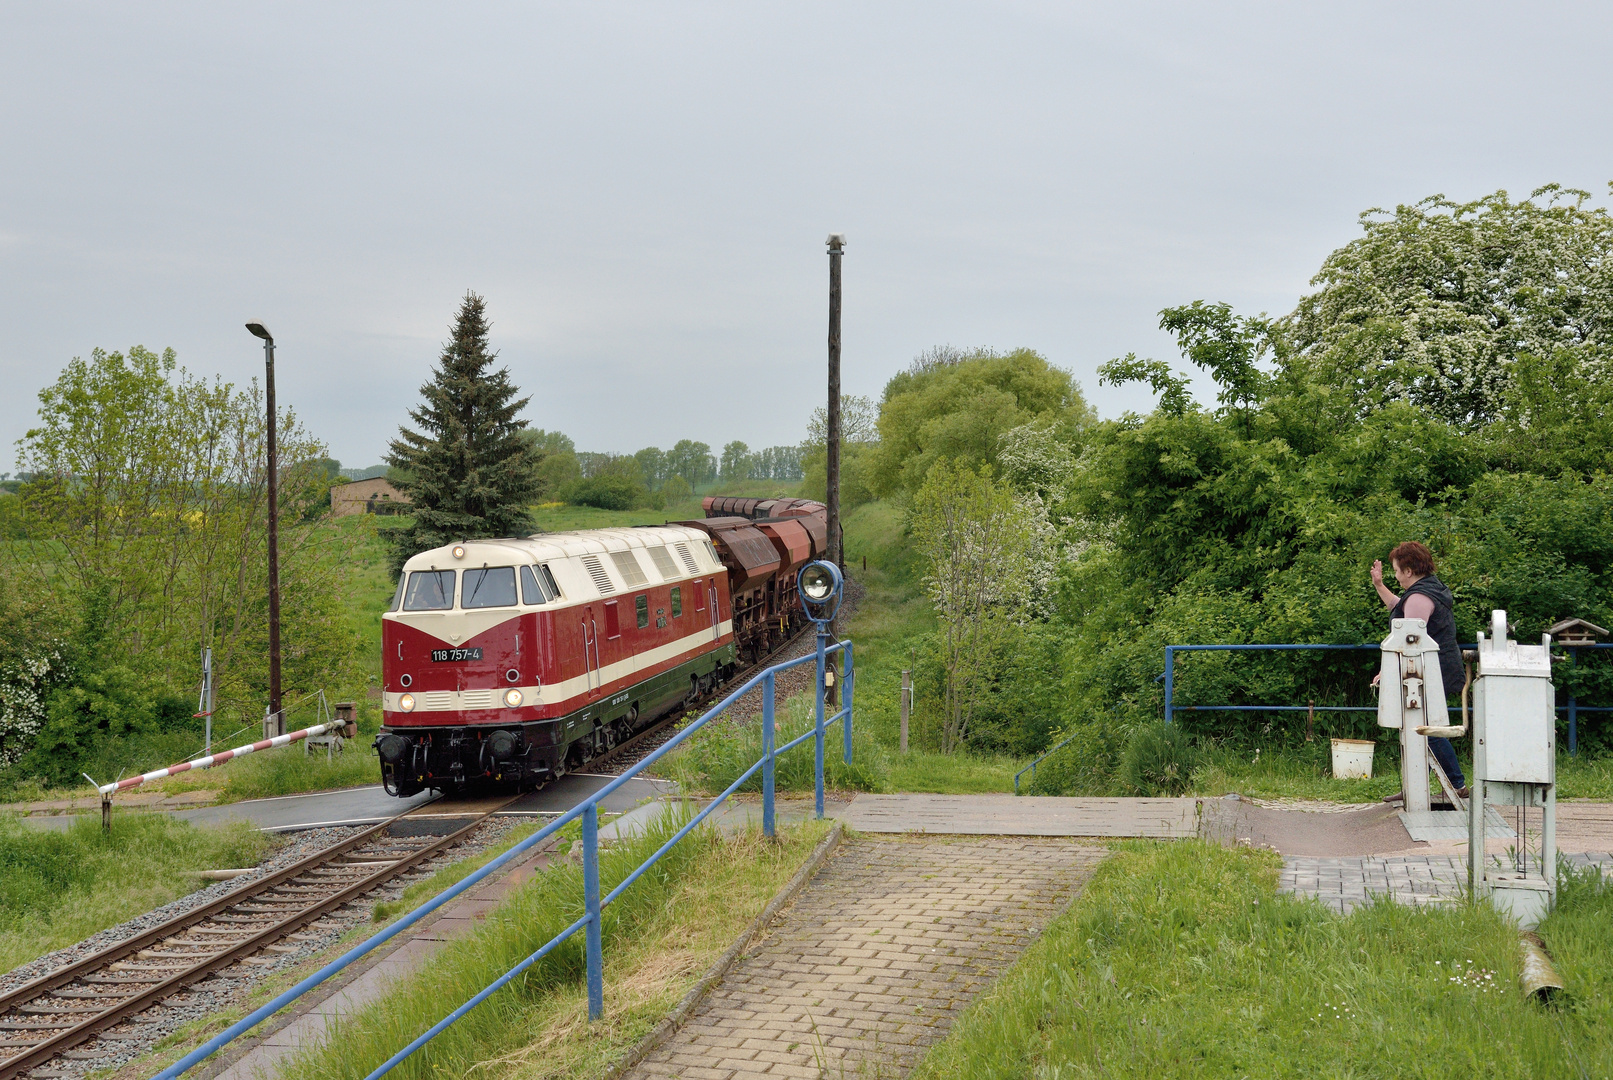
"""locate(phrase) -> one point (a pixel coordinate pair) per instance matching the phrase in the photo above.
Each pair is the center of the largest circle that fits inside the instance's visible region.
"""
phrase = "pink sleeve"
(1419, 606)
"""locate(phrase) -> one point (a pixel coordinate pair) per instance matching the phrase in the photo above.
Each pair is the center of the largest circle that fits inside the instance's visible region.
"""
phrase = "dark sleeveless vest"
(1442, 628)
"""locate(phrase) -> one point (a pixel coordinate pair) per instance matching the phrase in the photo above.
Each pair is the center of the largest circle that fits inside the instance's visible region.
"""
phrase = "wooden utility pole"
(837, 244)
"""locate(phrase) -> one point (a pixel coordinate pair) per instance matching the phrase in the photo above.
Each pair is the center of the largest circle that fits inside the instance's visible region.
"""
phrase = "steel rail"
(42, 1052)
(63, 975)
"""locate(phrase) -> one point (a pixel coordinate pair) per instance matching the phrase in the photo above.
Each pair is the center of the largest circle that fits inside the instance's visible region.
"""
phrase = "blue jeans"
(1445, 754)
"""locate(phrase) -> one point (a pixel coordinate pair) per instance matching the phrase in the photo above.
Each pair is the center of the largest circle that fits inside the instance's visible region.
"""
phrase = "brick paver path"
(1345, 883)
(876, 958)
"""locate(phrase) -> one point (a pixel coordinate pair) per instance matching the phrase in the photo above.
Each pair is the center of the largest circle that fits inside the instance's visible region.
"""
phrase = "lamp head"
(820, 586)
(258, 331)
(836, 241)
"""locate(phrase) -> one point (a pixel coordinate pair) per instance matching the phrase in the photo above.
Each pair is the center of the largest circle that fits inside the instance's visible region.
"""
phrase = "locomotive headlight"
(817, 583)
(512, 698)
(406, 703)
(459, 551)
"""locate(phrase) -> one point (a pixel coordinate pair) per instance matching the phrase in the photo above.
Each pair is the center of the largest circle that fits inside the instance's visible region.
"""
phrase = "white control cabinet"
(1515, 765)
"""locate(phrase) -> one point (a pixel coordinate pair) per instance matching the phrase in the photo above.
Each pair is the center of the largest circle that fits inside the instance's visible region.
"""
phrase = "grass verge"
(713, 758)
(1180, 960)
(57, 888)
(1303, 772)
(658, 939)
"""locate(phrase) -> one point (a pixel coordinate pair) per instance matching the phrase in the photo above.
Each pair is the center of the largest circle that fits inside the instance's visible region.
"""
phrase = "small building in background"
(372, 496)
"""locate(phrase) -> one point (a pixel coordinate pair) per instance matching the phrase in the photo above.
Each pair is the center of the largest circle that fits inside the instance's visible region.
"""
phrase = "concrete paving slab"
(1429, 825)
(1011, 815)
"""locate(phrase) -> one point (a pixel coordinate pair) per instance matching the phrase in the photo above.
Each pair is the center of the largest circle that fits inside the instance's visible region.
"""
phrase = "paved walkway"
(1347, 882)
(876, 959)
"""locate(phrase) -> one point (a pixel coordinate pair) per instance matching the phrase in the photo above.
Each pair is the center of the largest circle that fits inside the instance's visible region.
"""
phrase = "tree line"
(138, 540)
(1446, 380)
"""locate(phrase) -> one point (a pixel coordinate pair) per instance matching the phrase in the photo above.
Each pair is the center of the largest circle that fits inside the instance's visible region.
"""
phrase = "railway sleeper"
(59, 1010)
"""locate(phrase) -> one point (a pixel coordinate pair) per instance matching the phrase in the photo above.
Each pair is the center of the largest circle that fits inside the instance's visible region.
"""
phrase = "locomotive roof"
(543, 547)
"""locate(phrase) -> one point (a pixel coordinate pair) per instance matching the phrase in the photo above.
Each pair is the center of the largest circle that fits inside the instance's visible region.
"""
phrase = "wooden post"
(907, 705)
(837, 243)
(1310, 721)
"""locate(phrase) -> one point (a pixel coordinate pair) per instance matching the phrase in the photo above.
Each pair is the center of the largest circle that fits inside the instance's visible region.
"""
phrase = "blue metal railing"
(1572, 708)
(588, 812)
(1031, 768)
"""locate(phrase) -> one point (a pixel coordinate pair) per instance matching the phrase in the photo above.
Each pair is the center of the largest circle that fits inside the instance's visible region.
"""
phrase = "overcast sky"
(641, 192)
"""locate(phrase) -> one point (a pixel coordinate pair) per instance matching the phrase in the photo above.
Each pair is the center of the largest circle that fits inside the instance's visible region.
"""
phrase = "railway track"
(77, 1002)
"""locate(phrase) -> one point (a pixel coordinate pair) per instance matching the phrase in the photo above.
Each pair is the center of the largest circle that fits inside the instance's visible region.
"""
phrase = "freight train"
(510, 662)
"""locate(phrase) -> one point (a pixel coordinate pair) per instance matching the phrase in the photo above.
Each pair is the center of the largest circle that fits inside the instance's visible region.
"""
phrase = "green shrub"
(1159, 760)
(103, 718)
(1085, 765)
(604, 492)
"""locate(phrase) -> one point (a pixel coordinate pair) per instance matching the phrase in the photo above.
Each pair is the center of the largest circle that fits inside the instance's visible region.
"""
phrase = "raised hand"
(1377, 572)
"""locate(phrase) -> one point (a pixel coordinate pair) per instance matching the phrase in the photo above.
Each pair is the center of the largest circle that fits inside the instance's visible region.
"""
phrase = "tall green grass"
(1180, 960)
(714, 758)
(656, 940)
(57, 888)
(1303, 772)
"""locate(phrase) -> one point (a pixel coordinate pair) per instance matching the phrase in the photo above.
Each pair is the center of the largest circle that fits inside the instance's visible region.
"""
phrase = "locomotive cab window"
(531, 589)
(677, 601)
(491, 586)
(547, 580)
(397, 596)
(641, 604)
(429, 590)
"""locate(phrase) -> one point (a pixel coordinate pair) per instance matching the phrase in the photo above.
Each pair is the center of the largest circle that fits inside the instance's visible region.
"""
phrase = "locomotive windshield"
(429, 590)
(492, 586)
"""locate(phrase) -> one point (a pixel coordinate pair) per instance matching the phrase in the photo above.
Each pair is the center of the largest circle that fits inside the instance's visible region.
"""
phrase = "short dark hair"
(1414, 557)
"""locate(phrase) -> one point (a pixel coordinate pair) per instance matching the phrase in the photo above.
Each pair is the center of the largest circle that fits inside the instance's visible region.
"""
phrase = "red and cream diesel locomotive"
(513, 661)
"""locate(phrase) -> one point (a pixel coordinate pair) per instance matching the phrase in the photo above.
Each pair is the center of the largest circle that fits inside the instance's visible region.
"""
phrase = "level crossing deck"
(1012, 815)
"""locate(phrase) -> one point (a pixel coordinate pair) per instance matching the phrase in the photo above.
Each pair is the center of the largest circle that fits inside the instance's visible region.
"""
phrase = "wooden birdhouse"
(1575, 632)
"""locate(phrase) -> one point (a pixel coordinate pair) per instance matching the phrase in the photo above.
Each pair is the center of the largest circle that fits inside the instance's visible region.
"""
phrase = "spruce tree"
(467, 471)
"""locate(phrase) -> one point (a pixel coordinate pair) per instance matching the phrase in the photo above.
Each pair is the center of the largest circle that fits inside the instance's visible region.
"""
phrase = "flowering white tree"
(986, 552)
(26, 678)
(1435, 302)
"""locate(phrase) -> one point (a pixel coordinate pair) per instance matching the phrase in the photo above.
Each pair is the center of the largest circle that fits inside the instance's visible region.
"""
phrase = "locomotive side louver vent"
(437, 701)
(596, 570)
(627, 565)
(688, 559)
(663, 563)
(476, 699)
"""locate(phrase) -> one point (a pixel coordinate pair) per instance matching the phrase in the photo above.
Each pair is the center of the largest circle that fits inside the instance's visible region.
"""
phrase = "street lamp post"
(277, 720)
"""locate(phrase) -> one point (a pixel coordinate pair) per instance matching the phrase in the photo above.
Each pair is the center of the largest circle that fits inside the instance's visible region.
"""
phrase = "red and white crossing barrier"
(219, 759)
